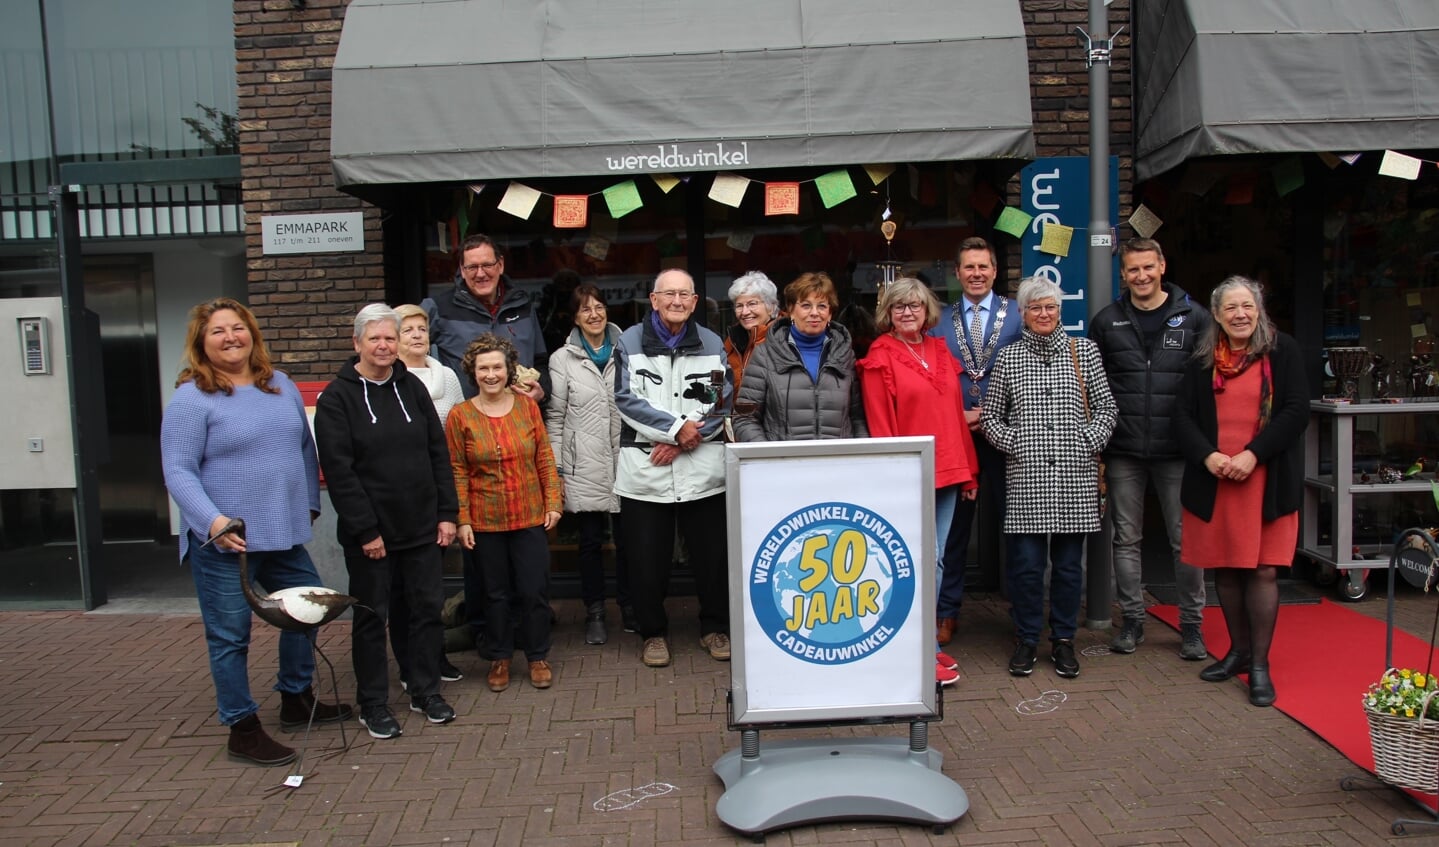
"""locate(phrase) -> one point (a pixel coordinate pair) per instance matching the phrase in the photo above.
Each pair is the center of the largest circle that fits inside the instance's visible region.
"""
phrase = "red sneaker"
(946, 661)
(945, 676)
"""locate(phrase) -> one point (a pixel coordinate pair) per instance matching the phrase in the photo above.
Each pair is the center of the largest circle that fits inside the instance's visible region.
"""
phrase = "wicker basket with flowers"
(1403, 715)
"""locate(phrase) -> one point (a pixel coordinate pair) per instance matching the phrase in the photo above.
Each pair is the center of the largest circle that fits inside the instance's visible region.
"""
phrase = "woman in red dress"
(1241, 413)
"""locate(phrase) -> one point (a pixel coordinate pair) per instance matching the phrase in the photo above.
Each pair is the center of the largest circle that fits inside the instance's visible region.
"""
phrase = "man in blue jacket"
(975, 328)
(484, 300)
(1146, 337)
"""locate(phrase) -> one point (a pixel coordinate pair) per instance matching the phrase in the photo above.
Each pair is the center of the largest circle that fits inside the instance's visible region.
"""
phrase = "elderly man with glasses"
(484, 300)
(670, 378)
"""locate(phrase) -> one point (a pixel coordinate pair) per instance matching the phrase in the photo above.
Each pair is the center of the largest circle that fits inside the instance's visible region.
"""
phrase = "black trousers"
(591, 526)
(516, 569)
(649, 530)
(417, 575)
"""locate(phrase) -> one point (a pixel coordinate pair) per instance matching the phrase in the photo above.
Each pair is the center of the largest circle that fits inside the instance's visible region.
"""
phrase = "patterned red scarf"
(1228, 364)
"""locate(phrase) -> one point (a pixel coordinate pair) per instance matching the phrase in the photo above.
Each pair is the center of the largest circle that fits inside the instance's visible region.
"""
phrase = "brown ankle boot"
(295, 710)
(250, 743)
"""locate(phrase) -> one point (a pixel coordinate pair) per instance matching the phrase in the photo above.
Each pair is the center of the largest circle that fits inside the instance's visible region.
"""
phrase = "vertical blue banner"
(1056, 190)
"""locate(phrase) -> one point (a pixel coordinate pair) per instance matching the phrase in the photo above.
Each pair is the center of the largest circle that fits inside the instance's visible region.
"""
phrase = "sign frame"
(891, 479)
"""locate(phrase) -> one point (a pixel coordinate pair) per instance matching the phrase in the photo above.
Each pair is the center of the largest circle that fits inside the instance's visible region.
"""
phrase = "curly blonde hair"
(491, 343)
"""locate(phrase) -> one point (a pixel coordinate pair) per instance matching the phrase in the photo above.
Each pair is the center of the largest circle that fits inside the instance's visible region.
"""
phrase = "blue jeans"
(1024, 576)
(944, 502)
(227, 621)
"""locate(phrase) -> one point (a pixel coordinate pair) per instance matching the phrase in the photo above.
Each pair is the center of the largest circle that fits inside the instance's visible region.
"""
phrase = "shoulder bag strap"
(1083, 389)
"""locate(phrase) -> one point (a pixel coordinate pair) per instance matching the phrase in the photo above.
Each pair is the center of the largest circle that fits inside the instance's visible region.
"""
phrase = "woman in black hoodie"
(383, 453)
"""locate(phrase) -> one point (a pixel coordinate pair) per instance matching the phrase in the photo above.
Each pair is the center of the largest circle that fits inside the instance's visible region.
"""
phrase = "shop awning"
(1262, 76)
(465, 90)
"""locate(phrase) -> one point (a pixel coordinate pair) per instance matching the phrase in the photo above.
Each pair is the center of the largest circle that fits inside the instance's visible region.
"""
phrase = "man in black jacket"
(1146, 338)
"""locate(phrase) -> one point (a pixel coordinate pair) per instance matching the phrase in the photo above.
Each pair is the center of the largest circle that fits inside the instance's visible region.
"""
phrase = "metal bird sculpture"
(299, 609)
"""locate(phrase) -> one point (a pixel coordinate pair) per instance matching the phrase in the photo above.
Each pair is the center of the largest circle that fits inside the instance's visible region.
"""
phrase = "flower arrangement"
(1401, 692)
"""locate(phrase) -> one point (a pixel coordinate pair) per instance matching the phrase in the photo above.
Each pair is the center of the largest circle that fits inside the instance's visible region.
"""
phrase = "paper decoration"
(781, 198)
(623, 198)
(1240, 191)
(1350, 158)
(597, 248)
(572, 211)
(741, 239)
(1013, 221)
(1054, 239)
(1417, 331)
(476, 188)
(834, 187)
(1413, 298)
(664, 181)
(984, 198)
(1144, 222)
(1399, 165)
(729, 189)
(1288, 175)
(462, 214)
(519, 200)
(1329, 159)
(878, 173)
(441, 233)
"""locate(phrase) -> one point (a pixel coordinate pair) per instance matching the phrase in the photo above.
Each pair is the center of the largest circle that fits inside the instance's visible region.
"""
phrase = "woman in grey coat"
(800, 383)
(584, 429)
(1049, 410)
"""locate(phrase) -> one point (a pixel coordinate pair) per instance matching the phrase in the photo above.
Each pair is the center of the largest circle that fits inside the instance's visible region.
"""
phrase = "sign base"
(803, 781)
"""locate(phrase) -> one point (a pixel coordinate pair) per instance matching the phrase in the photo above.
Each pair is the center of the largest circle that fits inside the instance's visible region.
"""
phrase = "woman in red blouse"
(510, 496)
(910, 384)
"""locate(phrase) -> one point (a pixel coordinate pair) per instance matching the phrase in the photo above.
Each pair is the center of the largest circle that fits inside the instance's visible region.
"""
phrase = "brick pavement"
(108, 737)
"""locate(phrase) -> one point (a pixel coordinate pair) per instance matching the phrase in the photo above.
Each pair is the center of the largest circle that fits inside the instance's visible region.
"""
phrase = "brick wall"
(1059, 85)
(304, 303)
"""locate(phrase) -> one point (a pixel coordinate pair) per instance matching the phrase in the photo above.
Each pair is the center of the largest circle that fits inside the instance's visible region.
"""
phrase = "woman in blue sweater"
(235, 443)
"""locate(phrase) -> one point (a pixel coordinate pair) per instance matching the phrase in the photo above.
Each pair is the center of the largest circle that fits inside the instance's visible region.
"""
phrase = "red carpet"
(1323, 658)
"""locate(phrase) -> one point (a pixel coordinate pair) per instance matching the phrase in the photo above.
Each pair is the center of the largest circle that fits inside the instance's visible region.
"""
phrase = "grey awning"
(461, 90)
(1252, 76)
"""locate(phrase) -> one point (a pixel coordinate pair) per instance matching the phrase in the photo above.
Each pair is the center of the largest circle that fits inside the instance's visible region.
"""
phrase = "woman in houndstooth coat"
(1051, 425)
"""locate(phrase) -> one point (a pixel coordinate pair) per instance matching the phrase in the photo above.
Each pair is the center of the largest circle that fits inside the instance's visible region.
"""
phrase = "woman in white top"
(444, 385)
(445, 391)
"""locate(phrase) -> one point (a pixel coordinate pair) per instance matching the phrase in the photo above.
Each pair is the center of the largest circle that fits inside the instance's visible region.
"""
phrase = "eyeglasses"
(674, 295)
(1042, 309)
(593, 310)
(488, 266)
(901, 308)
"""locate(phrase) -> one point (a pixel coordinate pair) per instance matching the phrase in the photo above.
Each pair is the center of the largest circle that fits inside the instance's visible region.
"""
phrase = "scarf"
(1228, 364)
(670, 339)
(601, 356)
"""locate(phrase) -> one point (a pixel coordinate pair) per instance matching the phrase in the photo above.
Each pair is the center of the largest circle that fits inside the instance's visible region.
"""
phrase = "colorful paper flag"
(878, 173)
(729, 189)
(834, 187)
(572, 211)
(597, 248)
(1399, 165)
(665, 182)
(519, 200)
(623, 198)
(1013, 221)
(740, 240)
(781, 198)
(1054, 239)
(1144, 222)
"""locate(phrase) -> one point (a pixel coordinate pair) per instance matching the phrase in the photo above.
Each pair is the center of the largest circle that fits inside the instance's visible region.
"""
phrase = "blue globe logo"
(832, 582)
